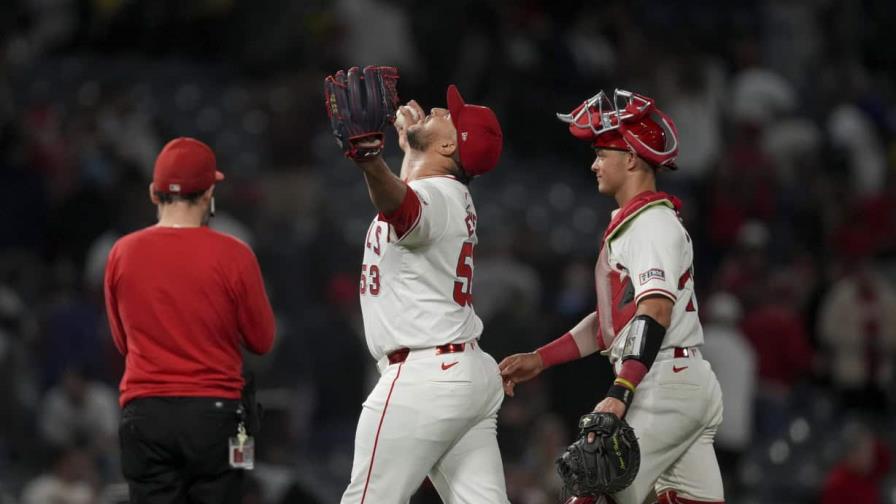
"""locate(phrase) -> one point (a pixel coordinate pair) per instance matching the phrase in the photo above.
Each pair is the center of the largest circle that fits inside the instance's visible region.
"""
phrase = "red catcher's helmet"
(630, 122)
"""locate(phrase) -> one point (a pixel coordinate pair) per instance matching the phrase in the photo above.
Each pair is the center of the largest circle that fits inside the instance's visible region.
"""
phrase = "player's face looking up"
(610, 167)
(436, 131)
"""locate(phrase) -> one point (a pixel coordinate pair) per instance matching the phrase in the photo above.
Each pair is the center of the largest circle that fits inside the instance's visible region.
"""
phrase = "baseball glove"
(360, 104)
(605, 465)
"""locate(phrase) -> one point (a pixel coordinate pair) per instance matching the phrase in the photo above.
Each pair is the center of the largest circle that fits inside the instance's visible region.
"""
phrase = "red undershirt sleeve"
(559, 351)
(406, 216)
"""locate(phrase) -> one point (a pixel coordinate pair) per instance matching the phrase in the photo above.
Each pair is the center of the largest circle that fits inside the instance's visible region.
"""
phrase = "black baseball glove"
(605, 465)
(360, 104)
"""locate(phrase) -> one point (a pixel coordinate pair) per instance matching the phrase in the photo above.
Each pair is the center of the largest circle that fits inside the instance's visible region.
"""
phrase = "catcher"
(645, 321)
(433, 411)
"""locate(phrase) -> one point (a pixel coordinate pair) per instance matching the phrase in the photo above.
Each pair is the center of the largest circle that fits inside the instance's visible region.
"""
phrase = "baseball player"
(646, 318)
(433, 411)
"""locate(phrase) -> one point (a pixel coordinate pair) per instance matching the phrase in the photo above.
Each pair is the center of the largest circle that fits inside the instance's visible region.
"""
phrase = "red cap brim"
(455, 103)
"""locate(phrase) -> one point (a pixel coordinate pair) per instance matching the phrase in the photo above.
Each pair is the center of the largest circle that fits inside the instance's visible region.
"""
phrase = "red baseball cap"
(479, 137)
(185, 166)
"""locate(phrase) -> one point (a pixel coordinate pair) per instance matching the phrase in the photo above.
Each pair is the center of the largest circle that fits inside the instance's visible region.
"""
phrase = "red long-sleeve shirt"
(181, 302)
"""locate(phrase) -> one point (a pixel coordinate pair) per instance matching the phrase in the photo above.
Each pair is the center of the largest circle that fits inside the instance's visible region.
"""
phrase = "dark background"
(787, 116)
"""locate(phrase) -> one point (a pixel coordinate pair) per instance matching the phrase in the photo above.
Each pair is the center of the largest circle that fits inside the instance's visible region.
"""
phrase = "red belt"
(681, 352)
(401, 354)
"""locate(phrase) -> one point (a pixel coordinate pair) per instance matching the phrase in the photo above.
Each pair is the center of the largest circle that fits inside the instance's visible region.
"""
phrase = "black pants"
(174, 450)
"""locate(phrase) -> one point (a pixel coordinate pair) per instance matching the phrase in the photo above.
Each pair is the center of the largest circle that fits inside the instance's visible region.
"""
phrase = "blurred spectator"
(777, 333)
(858, 330)
(69, 480)
(389, 44)
(743, 270)
(80, 412)
(734, 361)
(851, 130)
(694, 98)
(788, 142)
(758, 95)
(72, 327)
(856, 479)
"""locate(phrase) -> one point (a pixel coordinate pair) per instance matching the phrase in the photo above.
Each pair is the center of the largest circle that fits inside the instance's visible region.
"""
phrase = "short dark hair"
(166, 198)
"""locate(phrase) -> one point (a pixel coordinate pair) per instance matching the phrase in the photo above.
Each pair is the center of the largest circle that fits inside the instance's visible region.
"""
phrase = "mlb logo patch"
(652, 273)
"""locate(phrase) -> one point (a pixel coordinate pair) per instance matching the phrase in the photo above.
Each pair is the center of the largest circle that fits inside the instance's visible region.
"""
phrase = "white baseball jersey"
(416, 290)
(647, 252)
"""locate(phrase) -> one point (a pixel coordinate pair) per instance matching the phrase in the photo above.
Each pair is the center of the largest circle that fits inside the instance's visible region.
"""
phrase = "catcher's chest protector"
(615, 292)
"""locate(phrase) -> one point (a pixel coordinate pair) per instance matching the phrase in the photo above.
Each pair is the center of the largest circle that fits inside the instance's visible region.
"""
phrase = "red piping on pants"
(380, 426)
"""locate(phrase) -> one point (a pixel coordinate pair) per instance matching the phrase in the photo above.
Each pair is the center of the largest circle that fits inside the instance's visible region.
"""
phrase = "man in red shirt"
(182, 300)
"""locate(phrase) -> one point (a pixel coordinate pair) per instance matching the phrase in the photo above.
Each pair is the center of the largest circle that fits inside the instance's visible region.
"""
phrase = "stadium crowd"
(787, 115)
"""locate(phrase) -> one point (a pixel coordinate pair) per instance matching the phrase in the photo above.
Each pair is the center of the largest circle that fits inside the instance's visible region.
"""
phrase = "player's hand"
(366, 144)
(406, 116)
(519, 368)
(609, 405)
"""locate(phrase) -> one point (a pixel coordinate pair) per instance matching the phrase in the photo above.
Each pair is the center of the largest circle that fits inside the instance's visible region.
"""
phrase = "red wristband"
(632, 371)
(562, 349)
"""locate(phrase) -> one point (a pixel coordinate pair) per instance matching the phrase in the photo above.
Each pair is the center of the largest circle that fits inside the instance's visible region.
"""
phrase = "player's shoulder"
(221, 241)
(132, 239)
(659, 216)
(230, 243)
(656, 222)
(445, 186)
(442, 183)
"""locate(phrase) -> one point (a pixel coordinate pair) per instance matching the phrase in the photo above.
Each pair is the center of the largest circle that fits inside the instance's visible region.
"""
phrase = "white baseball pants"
(431, 415)
(675, 413)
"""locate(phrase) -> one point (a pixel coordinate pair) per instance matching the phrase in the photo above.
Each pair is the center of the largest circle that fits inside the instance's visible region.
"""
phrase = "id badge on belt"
(242, 449)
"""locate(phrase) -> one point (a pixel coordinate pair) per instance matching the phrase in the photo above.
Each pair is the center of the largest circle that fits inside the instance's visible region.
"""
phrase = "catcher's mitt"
(604, 466)
(360, 104)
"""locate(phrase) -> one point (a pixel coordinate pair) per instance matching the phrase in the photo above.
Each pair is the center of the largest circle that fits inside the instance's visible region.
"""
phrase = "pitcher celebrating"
(433, 411)
(646, 318)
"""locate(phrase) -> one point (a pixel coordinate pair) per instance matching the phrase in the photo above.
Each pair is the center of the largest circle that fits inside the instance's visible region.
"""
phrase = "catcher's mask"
(629, 122)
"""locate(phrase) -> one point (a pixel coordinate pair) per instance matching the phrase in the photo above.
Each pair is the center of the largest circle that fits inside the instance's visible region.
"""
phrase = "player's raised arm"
(386, 190)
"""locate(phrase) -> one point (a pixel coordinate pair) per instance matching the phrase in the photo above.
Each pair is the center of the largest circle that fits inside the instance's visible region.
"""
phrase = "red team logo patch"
(651, 274)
